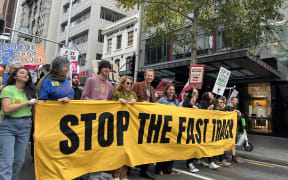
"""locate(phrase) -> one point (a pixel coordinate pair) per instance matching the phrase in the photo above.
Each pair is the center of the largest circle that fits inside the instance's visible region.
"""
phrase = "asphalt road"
(247, 170)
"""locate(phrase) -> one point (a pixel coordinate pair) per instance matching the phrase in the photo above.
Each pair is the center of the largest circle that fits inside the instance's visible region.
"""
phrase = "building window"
(74, 4)
(76, 20)
(110, 15)
(82, 59)
(79, 39)
(130, 38)
(109, 45)
(100, 36)
(119, 41)
(98, 56)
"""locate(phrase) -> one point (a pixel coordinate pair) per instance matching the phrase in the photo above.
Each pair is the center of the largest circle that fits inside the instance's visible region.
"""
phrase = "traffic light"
(130, 65)
(2, 26)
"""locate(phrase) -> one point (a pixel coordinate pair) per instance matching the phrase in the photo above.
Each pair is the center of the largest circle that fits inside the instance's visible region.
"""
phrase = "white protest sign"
(221, 82)
(71, 55)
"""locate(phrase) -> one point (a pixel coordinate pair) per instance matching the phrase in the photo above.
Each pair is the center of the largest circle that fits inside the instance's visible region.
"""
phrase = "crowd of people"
(19, 94)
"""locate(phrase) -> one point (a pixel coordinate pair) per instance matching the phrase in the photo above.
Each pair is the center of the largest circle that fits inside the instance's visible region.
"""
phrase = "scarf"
(50, 75)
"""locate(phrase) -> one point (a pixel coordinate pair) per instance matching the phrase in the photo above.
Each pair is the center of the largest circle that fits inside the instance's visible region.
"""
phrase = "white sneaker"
(192, 168)
(213, 165)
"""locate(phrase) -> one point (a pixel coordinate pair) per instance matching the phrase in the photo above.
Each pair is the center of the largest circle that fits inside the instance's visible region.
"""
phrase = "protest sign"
(221, 82)
(196, 76)
(22, 53)
(80, 137)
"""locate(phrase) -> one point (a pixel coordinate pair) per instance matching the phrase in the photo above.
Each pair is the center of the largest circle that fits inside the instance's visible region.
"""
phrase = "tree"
(246, 23)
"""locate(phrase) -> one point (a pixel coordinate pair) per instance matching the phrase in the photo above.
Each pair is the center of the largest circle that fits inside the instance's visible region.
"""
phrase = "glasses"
(129, 83)
(221, 102)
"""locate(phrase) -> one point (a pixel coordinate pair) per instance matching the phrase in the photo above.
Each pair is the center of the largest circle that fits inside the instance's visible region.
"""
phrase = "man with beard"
(75, 84)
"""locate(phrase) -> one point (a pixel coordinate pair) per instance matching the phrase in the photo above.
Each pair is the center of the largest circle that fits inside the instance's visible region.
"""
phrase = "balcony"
(75, 10)
(75, 30)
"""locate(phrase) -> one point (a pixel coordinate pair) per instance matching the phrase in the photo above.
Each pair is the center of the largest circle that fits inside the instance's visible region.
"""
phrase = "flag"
(181, 95)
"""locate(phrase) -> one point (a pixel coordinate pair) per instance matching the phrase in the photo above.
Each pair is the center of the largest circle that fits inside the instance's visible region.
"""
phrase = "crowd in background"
(19, 94)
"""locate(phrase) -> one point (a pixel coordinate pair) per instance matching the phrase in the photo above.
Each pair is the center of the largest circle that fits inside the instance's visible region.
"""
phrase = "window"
(119, 41)
(130, 38)
(100, 36)
(110, 15)
(109, 45)
(98, 56)
(74, 4)
(79, 39)
(76, 20)
(82, 59)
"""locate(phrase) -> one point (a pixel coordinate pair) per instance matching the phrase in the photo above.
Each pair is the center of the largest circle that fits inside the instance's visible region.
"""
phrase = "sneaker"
(205, 164)
(223, 163)
(213, 165)
(192, 168)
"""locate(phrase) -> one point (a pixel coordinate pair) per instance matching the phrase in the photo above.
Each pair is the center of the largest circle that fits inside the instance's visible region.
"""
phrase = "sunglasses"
(129, 83)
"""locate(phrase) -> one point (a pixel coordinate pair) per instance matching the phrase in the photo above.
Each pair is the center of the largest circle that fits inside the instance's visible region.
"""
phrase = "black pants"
(166, 167)
(144, 167)
(190, 161)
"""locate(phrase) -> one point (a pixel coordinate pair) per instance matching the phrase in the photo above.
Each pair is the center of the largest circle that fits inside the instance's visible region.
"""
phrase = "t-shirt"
(77, 93)
(17, 96)
(4, 78)
(228, 108)
(54, 90)
(97, 89)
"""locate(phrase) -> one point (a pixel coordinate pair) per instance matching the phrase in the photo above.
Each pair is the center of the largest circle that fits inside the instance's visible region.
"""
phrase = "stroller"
(243, 142)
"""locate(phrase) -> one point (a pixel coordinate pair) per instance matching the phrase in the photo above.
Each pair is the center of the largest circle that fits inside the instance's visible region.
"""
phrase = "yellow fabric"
(53, 160)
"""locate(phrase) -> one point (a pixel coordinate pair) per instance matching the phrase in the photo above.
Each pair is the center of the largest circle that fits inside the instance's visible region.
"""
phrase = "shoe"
(212, 165)
(223, 163)
(235, 159)
(192, 168)
(204, 164)
(146, 174)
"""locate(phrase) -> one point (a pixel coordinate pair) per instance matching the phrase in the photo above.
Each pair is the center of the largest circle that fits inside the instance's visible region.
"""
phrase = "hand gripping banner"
(88, 136)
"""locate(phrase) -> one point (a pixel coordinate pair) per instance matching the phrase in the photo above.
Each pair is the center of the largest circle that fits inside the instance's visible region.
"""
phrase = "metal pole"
(138, 46)
(15, 20)
(68, 23)
(34, 36)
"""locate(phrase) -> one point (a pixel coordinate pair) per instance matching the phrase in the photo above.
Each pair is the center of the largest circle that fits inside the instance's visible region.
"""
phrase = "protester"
(75, 86)
(5, 76)
(184, 98)
(17, 100)
(169, 99)
(125, 95)
(207, 102)
(219, 105)
(98, 88)
(191, 102)
(55, 84)
(145, 93)
(233, 107)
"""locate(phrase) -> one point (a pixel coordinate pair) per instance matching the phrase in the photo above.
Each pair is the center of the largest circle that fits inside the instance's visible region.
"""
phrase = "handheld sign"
(196, 75)
(221, 82)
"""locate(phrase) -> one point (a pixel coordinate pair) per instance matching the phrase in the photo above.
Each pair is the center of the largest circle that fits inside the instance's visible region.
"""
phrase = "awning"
(243, 65)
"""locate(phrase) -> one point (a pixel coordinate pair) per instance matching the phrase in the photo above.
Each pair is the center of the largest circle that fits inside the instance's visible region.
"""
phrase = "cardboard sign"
(22, 53)
(221, 82)
(196, 76)
(71, 55)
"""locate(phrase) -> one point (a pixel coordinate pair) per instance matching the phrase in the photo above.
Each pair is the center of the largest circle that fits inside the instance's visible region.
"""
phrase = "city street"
(248, 170)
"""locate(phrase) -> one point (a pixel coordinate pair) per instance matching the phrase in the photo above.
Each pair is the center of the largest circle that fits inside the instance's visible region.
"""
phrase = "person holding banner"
(125, 95)
(98, 88)
(169, 99)
(17, 100)
(145, 93)
(55, 84)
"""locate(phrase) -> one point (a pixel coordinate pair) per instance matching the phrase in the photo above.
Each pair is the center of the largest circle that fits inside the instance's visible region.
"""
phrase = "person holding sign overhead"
(123, 94)
(17, 100)
(55, 84)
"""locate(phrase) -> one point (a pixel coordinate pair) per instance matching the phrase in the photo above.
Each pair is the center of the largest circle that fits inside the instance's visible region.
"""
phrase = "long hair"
(29, 88)
(122, 81)
(205, 101)
(166, 89)
(186, 103)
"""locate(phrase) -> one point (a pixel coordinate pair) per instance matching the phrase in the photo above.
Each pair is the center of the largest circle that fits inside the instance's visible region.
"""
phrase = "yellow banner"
(88, 136)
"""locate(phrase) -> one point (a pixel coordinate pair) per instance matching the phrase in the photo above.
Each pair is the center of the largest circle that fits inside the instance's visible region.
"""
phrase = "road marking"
(192, 174)
(260, 164)
(275, 165)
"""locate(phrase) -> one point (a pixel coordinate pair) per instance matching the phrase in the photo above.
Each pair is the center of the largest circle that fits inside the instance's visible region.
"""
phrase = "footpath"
(268, 149)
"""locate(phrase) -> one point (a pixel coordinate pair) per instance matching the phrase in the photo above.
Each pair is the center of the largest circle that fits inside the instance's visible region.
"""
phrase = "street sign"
(221, 82)
(196, 75)
(71, 55)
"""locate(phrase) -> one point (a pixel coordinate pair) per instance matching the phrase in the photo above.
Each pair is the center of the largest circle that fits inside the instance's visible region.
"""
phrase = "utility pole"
(68, 23)
(138, 46)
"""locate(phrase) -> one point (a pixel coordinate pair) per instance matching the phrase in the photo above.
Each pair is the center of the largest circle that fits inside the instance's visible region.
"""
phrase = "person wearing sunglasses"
(125, 95)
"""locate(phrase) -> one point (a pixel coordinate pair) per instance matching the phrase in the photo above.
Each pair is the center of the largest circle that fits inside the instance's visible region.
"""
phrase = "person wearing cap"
(98, 88)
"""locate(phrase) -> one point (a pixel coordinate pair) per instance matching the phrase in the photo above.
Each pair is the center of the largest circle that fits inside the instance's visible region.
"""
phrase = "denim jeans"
(14, 137)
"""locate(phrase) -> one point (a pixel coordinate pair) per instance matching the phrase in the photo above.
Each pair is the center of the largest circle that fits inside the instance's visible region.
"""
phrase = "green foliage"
(244, 22)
